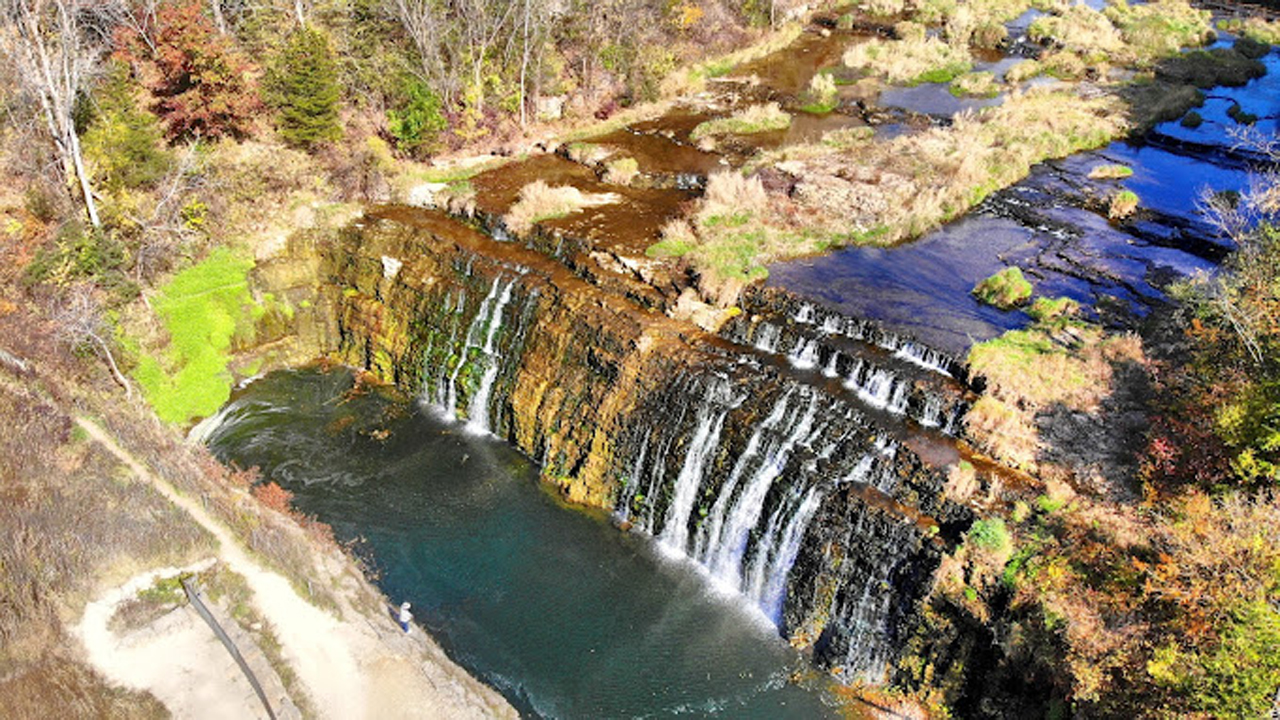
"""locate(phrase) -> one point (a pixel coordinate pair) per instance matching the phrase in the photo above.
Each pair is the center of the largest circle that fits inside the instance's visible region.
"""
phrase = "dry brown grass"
(848, 190)
(1059, 362)
(752, 119)
(1003, 430)
(1079, 28)
(895, 190)
(621, 171)
(295, 551)
(59, 687)
(912, 60)
(540, 201)
(70, 521)
(1024, 70)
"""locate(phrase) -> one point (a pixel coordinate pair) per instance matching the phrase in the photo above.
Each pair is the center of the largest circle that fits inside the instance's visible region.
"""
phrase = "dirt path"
(350, 668)
(176, 658)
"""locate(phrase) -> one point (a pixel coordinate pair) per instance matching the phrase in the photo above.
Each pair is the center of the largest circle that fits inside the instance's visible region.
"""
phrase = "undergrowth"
(205, 309)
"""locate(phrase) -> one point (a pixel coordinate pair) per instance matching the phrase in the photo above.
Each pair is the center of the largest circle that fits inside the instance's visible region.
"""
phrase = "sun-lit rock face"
(783, 456)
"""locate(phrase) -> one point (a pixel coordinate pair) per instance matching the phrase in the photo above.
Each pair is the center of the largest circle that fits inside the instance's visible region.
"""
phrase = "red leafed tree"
(201, 85)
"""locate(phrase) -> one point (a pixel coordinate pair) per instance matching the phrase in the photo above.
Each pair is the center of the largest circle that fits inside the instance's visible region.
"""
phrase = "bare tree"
(425, 22)
(56, 46)
(1243, 218)
(78, 322)
(162, 230)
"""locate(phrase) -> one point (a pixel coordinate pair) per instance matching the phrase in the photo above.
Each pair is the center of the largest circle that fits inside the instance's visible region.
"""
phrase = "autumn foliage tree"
(201, 86)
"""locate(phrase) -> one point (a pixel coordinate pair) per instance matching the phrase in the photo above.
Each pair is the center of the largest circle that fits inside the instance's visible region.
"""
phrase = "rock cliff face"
(783, 456)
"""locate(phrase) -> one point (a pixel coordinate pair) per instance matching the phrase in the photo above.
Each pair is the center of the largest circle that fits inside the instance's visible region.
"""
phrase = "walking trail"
(350, 668)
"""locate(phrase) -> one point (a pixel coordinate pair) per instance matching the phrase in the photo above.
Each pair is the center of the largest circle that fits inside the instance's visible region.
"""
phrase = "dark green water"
(564, 614)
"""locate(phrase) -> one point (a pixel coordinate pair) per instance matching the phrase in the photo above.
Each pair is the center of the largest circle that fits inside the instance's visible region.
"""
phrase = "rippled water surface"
(566, 615)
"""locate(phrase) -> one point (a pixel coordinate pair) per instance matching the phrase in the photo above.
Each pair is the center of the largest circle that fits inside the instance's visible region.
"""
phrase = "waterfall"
(485, 326)
(925, 357)
(675, 531)
(876, 388)
(478, 410)
(832, 368)
(778, 553)
(622, 509)
(715, 521)
(805, 354)
(726, 548)
(767, 337)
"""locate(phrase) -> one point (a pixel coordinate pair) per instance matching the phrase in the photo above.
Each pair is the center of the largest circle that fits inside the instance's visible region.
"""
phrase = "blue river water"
(563, 613)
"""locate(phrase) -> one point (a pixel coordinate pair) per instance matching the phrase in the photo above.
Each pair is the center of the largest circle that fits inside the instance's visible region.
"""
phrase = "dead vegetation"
(1057, 362)
(846, 190)
(69, 518)
(540, 201)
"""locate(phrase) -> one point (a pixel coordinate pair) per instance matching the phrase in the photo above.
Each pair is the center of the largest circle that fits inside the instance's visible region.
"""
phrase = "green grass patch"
(1111, 172)
(1255, 28)
(755, 119)
(1006, 289)
(204, 309)
(1024, 70)
(1048, 310)
(1123, 204)
(910, 61)
(670, 247)
(1050, 505)
(990, 534)
(975, 84)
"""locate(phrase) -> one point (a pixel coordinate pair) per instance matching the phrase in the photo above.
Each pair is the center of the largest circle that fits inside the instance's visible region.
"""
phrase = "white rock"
(390, 266)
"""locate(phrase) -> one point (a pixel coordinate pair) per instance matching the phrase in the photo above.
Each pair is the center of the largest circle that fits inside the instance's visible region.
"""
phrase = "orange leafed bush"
(274, 497)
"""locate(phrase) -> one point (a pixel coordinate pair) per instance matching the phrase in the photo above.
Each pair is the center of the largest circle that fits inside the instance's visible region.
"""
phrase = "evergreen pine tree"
(303, 86)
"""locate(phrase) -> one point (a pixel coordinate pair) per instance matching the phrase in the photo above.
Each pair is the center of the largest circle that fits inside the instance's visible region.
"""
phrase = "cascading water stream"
(715, 521)
(711, 416)
(725, 550)
(478, 410)
(778, 553)
(484, 326)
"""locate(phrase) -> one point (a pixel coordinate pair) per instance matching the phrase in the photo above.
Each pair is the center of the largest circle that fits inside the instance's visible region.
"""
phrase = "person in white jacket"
(406, 617)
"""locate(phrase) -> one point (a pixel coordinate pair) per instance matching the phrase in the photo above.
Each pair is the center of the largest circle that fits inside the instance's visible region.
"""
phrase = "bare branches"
(78, 322)
(55, 47)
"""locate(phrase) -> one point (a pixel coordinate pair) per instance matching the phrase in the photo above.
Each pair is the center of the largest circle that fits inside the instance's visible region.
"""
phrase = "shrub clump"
(1006, 289)
(1123, 204)
(754, 119)
(1254, 28)
(911, 61)
(990, 534)
(975, 84)
(1024, 70)
(539, 201)
(822, 94)
(1111, 171)
(621, 171)
(1045, 310)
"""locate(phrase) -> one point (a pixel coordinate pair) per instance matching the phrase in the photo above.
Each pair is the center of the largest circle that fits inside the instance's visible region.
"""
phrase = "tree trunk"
(524, 67)
(111, 361)
(91, 205)
(219, 20)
